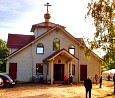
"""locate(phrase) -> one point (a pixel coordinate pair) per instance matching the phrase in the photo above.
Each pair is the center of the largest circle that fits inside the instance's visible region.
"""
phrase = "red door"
(83, 72)
(13, 70)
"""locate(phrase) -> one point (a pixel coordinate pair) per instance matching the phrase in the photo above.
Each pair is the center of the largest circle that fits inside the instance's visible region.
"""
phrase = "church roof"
(18, 40)
(44, 24)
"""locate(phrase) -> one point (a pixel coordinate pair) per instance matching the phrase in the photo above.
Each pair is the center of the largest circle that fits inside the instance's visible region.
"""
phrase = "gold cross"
(47, 4)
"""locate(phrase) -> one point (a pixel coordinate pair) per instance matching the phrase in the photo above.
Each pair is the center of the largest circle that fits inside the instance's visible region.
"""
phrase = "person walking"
(96, 78)
(70, 79)
(100, 81)
(88, 86)
(65, 79)
(109, 77)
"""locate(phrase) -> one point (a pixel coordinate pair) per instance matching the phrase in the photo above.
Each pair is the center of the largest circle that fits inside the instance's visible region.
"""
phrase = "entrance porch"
(59, 65)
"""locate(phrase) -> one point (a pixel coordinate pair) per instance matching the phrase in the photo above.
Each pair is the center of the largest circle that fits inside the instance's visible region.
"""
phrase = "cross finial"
(47, 4)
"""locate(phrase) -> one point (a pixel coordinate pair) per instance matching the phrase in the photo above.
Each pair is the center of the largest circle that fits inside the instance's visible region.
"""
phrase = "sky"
(18, 16)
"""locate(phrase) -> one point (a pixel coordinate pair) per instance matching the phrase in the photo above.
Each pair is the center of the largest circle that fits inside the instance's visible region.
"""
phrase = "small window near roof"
(56, 44)
(72, 49)
(40, 48)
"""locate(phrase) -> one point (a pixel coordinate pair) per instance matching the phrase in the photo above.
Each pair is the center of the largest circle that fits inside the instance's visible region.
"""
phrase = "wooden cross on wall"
(47, 4)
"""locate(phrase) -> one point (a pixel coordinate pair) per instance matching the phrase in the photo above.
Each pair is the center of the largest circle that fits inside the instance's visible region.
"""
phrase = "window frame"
(39, 71)
(71, 47)
(73, 69)
(54, 44)
(40, 45)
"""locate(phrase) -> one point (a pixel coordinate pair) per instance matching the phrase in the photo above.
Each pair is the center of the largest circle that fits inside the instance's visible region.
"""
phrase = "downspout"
(32, 57)
(78, 64)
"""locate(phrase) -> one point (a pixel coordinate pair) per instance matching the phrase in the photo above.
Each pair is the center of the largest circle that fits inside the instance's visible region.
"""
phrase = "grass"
(2, 72)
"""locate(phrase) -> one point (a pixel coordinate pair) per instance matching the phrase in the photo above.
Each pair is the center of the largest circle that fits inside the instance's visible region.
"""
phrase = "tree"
(103, 14)
(109, 58)
(4, 52)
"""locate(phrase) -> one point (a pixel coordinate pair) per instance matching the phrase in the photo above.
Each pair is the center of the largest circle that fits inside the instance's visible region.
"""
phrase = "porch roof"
(61, 52)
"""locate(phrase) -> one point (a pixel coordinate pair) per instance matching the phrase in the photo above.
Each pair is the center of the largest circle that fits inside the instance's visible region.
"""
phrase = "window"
(39, 69)
(73, 69)
(40, 48)
(72, 49)
(56, 44)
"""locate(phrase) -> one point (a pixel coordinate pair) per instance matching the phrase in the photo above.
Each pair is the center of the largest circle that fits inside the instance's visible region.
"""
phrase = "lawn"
(2, 72)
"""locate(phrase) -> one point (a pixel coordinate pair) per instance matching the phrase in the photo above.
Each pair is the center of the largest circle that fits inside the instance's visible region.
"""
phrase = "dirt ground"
(57, 91)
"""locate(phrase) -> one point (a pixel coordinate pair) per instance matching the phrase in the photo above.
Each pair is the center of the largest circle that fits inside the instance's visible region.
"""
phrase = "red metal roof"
(44, 24)
(18, 40)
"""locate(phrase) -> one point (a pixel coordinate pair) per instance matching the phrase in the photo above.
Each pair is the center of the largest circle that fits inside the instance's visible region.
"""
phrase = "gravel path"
(56, 91)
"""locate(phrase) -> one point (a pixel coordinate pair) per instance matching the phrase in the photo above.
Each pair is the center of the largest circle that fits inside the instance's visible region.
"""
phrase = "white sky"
(18, 16)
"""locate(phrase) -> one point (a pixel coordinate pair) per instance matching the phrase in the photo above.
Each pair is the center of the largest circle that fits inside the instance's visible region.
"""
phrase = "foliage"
(109, 58)
(4, 52)
(103, 14)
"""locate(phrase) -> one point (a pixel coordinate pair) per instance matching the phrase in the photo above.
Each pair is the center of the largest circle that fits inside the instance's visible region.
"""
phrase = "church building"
(51, 52)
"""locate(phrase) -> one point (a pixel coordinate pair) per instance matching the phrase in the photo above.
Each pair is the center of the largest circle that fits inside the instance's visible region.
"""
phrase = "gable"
(63, 52)
(92, 55)
(57, 30)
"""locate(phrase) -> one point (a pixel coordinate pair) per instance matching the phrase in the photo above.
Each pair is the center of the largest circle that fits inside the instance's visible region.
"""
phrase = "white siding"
(47, 41)
(39, 31)
(26, 59)
(24, 64)
(93, 64)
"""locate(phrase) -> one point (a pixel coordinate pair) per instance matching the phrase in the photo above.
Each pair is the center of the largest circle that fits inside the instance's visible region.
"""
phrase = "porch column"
(71, 67)
(68, 69)
(51, 75)
(49, 70)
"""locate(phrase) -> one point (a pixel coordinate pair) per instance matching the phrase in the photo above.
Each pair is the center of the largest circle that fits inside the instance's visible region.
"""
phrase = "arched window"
(72, 49)
(40, 48)
(56, 44)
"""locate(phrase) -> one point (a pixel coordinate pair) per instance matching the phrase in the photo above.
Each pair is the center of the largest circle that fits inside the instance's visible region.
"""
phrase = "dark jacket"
(88, 84)
(100, 80)
(114, 78)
